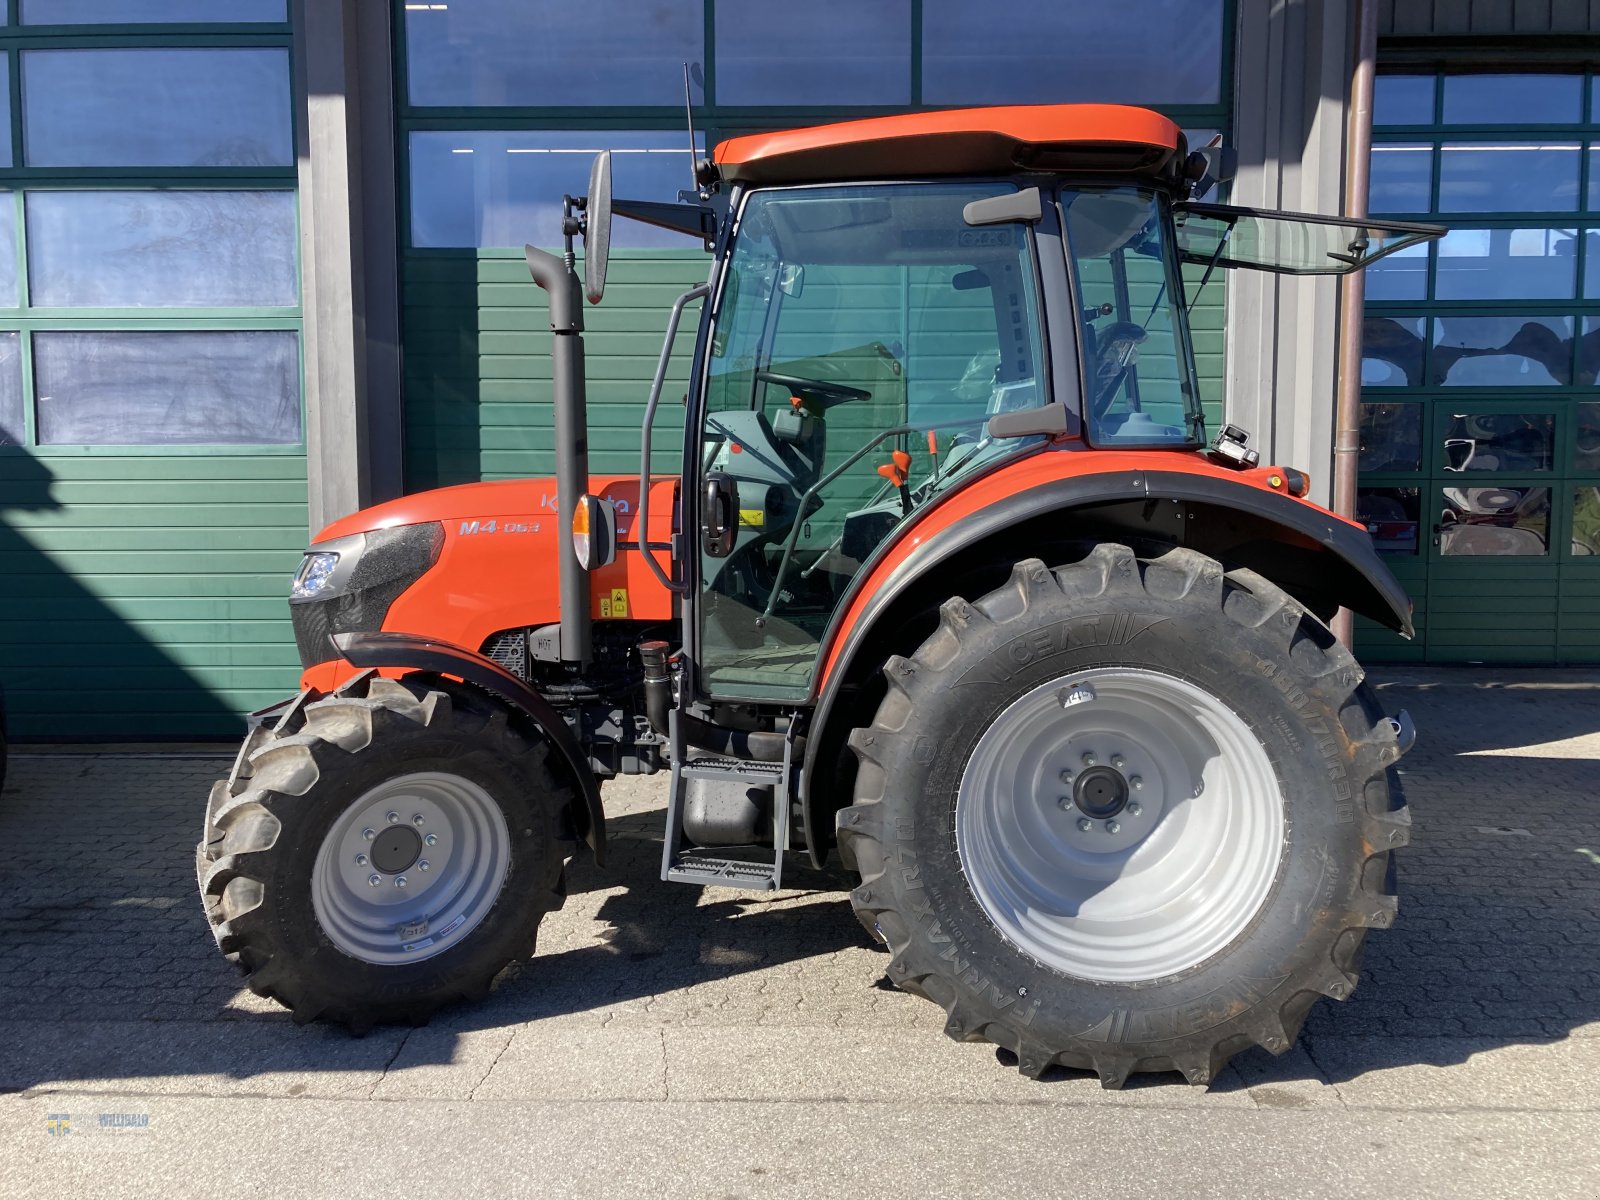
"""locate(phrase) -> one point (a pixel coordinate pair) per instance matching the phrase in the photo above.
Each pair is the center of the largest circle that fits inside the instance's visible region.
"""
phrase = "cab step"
(694, 866)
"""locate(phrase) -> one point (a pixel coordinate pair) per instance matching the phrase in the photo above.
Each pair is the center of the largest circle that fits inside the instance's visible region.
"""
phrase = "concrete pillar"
(349, 255)
(1291, 72)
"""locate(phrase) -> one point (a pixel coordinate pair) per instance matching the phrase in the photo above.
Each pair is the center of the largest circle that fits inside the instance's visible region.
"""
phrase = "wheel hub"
(395, 849)
(1100, 793)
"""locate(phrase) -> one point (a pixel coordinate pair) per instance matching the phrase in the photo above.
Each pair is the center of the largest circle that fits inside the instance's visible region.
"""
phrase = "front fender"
(1044, 493)
(409, 652)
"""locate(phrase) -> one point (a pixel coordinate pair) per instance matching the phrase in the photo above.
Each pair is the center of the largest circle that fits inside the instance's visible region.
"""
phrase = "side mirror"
(597, 228)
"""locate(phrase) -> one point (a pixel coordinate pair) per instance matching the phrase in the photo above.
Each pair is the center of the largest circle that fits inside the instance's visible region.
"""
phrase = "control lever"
(897, 471)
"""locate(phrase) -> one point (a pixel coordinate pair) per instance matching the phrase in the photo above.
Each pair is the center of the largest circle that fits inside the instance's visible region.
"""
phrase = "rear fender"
(404, 651)
(1322, 560)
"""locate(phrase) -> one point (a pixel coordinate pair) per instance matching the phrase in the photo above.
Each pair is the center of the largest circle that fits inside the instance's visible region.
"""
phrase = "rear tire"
(293, 836)
(1232, 887)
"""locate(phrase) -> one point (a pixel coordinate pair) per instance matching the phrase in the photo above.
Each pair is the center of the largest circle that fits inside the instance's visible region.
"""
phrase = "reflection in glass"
(192, 107)
(161, 249)
(1513, 99)
(1502, 351)
(1494, 521)
(1401, 178)
(822, 52)
(1402, 275)
(139, 12)
(1392, 351)
(9, 295)
(1392, 517)
(1391, 437)
(102, 388)
(1586, 447)
(1402, 100)
(541, 53)
(1144, 52)
(11, 409)
(1589, 352)
(1507, 264)
(1505, 176)
(1593, 201)
(1586, 521)
(1500, 442)
(490, 188)
(5, 109)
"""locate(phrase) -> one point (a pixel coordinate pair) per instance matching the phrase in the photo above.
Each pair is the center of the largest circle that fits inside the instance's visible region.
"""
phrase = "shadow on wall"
(71, 665)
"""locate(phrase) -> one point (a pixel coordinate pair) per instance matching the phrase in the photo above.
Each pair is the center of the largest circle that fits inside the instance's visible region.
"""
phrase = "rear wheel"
(384, 850)
(1126, 815)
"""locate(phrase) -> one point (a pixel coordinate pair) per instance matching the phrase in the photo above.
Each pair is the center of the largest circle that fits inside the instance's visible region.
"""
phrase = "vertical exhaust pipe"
(557, 277)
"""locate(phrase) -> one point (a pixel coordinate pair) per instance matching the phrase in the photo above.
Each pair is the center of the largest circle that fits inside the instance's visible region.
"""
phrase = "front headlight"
(316, 573)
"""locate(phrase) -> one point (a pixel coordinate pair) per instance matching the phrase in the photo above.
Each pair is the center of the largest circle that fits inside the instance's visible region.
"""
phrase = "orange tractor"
(951, 580)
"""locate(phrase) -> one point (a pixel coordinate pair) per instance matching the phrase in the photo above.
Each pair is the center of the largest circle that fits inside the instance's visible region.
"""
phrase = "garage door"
(1480, 457)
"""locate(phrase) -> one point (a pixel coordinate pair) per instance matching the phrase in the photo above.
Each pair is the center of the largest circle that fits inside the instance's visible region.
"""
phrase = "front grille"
(392, 560)
(509, 648)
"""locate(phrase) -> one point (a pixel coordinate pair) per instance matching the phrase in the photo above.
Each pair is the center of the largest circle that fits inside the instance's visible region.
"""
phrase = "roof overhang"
(1103, 138)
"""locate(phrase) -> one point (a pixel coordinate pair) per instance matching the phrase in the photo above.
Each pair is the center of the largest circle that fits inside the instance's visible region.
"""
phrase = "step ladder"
(682, 863)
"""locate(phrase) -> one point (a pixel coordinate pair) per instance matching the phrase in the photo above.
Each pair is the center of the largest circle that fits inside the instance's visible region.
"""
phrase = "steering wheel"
(824, 393)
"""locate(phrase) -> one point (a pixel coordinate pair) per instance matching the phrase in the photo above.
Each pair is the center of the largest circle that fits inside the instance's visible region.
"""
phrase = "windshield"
(863, 337)
(1138, 373)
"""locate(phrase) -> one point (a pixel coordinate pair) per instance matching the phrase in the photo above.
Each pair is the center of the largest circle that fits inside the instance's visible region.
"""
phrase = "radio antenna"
(694, 151)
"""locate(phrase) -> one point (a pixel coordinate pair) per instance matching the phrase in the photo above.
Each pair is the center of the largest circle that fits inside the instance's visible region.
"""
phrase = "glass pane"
(5, 110)
(1507, 264)
(1402, 100)
(1502, 351)
(135, 108)
(836, 348)
(1392, 517)
(543, 53)
(134, 12)
(1494, 520)
(1586, 450)
(1593, 201)
(11, 412)
(1513, 99)
(1139, 386)
(1392, 351)
(490, 188)
(1391, 437)
(1589, 352)
(1484, 441)
(167, 389)
(161, 249)
(1402, 275)
(1138, 51)
(1287, 242)
(831, 52)
(1402, 179)
(1586, 521)
(9, 295)
(1509, 177)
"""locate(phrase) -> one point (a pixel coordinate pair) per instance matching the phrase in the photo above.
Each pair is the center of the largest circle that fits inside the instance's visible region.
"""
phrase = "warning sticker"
(619, 602)
(752, 518)
(605, 606)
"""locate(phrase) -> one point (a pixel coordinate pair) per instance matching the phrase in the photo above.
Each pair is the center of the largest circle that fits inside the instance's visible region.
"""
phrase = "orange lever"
(896, 472)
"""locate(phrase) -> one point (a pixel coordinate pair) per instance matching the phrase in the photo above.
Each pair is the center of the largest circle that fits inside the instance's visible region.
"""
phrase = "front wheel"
(384, 850)
(1126, 815)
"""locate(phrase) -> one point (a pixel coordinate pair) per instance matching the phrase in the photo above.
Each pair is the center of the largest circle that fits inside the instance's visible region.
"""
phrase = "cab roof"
(961, 141)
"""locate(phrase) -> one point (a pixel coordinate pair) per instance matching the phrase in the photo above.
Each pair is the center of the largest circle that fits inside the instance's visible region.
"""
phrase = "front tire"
(384, 850)
(1126, 815)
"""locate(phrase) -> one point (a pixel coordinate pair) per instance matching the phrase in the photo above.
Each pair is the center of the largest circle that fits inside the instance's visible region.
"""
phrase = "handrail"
(642, 520)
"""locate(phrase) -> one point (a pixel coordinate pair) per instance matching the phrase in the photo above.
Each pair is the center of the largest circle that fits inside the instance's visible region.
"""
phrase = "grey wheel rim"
(1120, 825)
(411, 868)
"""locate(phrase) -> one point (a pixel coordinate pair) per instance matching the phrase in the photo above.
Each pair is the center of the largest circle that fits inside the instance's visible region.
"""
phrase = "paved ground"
(722, 1044)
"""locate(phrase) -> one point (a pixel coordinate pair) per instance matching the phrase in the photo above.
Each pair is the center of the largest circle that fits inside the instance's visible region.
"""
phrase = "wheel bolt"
(431, 840)
(1135, 808)
(369, 834)
(394, 818)
(361, 860)
(400, 881)
(1084, 824)
(424, 865)
(1066, 803)
(1066, 777)
(1136, 783)
(374, 880)
(417, 820)
(1113, 827)
(1118, 761)
(1089, 760)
